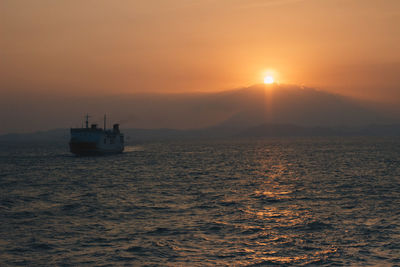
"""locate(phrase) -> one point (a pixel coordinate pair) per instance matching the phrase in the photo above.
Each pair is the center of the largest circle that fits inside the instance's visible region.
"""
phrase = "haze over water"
(262, 202)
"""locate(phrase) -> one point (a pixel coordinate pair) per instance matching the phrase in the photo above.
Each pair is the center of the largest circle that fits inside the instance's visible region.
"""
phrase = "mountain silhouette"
(288, 104)
(221, 111)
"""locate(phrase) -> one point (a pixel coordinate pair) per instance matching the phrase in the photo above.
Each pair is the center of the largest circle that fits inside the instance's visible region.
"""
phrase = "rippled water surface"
(243, 203)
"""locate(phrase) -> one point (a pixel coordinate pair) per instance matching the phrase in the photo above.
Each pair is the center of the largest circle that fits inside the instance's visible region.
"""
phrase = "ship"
(96, 141)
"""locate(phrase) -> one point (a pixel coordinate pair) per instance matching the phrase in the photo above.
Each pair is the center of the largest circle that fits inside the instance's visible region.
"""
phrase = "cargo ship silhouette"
(96, 141)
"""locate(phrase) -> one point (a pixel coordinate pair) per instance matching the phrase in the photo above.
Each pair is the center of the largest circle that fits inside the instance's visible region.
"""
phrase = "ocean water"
(271, 202)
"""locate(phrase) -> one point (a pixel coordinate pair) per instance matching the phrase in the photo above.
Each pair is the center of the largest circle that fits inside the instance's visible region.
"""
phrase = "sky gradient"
(98, 47)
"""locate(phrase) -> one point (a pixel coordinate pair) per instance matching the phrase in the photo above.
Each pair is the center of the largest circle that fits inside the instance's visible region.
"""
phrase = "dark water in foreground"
(333, 202)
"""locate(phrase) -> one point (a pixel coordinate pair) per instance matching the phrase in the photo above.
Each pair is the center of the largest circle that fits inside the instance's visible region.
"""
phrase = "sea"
(250, 202)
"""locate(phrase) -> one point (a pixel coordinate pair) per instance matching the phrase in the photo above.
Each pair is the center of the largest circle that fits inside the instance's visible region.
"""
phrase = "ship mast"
(104, 122)
(87, 120)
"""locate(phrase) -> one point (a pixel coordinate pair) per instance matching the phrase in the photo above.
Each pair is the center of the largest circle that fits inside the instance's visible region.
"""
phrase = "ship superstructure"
(94, 141)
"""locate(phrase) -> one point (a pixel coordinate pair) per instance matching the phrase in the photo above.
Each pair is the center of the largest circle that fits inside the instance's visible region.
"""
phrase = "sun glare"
(268, 79)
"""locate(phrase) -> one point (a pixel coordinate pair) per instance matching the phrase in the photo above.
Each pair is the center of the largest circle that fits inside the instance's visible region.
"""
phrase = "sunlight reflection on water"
(263, 202)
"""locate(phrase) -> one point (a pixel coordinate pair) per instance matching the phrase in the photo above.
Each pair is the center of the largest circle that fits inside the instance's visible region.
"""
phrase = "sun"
(268, 79)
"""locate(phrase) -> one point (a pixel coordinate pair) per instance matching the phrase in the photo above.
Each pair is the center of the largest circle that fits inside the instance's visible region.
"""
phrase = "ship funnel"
(116, 128)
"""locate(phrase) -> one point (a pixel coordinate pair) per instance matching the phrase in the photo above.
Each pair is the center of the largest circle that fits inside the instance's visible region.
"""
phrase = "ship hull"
(91, 148)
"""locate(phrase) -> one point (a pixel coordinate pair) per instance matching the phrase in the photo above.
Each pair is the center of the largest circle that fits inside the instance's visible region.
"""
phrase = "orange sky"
(126, 46)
